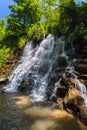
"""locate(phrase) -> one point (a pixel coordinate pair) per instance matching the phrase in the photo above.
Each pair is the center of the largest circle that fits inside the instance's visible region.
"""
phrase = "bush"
(21, 42)
(36, 32)
(79, 31)
(4, 54)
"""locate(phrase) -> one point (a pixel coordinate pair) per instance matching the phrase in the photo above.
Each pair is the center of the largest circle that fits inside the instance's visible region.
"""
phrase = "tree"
(23, 14)
(2, 29)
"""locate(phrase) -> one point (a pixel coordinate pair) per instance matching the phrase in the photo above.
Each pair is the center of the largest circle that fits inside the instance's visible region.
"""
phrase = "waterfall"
(36, 64)
(37, 61)
(70, 68)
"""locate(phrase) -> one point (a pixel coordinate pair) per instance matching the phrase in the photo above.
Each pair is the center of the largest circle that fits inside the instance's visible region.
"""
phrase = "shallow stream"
(17, 112)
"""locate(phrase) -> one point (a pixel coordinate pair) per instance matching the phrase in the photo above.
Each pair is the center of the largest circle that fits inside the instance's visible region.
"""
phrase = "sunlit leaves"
(4, 54)
(25, 13)
(2, 29)
(36, 32)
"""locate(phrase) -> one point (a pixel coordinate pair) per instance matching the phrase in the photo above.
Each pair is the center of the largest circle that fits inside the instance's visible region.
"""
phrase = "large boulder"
(83, 114)
(80, 65)
(73, 96)
(61, 91)
(3, 81)
(74, 103)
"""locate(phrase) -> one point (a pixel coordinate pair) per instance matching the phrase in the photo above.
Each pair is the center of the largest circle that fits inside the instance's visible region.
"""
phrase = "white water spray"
(38, 62)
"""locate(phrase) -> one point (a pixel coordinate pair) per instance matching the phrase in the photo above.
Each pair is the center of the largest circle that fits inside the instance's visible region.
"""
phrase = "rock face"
(61, 91)
(80, 46)
(64, 93)
(67, 91)
(26, 85)
(74, 103)
(67, 96)
(81, 66)
(3, 82)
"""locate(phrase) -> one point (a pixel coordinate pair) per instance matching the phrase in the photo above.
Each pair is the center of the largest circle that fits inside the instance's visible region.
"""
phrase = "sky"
(4, 10)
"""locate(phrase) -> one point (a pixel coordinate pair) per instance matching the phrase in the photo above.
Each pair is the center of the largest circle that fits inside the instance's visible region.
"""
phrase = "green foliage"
(36, 32)
(79, 31)
(21, 42)
(32, 19)
(51, 15)
(52, 22)
(23, 14)
(76, 14)
(57, 15)
(2, 29)
(14, 28)
(4, 54)
(76, 20)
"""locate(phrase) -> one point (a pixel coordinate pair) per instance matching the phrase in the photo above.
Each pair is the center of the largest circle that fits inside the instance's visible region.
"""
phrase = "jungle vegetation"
(32, 19)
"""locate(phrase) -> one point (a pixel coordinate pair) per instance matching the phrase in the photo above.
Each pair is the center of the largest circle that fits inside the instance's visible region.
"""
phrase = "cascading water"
(37, 64)
(79, 86)
(37, 61)
(70, 68)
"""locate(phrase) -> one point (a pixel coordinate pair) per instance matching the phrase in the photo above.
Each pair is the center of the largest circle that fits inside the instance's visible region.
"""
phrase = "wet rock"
(9, 62)
(57, 100)
(43, 69)
(53, 78)
(60, 104)
(83, 79)
(68, 77)
(72, 94)
(83, 114)
(4, 81)
(83, 76)
(53, 98)
(26, 85)
(80, 46)
(14, 128)
(49, 91)
(61, 62)
(74, 103)
(81, 68)
(81, 61)
(61, 91)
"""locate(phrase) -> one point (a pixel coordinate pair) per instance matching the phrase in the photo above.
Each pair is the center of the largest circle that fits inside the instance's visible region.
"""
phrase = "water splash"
(82, 89)
(36, 64)
(78, 85)
(21, 71)
(37, 61)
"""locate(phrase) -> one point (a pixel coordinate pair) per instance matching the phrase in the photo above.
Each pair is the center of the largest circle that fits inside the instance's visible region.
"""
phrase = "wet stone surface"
(18, 113)
(10, 116)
